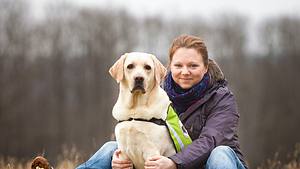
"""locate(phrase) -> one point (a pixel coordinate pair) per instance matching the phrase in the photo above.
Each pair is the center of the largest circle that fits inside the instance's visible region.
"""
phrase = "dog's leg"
(149, 150)
(123, 155)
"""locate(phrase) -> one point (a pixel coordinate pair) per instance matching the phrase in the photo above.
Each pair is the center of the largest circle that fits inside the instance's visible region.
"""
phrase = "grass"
(291, 161)
(70, 158)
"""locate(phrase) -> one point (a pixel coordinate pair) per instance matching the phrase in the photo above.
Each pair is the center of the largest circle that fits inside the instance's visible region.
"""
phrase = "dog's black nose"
(139, 79)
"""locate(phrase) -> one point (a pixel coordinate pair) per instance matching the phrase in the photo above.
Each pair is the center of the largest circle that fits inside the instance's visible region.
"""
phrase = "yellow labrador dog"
(141, 104)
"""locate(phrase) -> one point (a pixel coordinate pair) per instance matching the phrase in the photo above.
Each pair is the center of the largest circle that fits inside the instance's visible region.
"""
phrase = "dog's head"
(139, 71)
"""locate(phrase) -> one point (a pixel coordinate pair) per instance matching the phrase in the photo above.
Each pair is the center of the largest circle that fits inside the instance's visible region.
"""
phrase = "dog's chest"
(136, 132)
(141, 140)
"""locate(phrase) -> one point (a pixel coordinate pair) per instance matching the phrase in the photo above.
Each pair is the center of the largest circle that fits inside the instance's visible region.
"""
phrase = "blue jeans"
(222, 157)
(102, 158)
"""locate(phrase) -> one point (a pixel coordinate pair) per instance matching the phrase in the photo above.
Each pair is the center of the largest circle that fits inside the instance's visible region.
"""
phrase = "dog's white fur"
(139, 140)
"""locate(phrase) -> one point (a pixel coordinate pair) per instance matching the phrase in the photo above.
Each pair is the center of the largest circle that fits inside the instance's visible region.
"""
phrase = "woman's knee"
(221, 157)
(106, 151)
(102, 158)
(110, 146)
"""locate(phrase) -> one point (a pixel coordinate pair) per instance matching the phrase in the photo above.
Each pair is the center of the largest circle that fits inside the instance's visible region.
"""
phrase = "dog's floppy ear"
(159, 70)
(116, 71)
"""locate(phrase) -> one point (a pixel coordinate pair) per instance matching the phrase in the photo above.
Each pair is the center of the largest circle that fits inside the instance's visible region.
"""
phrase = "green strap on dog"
(178, 133)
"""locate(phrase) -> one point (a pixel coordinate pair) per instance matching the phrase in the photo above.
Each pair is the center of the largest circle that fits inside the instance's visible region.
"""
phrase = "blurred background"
(55, 89)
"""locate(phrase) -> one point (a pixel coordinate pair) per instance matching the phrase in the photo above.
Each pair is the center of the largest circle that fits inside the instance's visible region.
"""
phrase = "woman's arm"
(220, 128)
(159, 162)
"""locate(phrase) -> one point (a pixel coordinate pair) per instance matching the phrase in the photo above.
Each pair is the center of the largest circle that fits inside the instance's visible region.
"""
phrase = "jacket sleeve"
(219, 129)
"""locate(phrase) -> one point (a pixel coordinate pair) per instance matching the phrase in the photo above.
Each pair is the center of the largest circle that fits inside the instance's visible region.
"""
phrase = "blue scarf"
(182, 99)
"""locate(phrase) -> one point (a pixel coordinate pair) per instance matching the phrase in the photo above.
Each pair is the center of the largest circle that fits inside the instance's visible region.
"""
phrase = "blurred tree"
(279, 114)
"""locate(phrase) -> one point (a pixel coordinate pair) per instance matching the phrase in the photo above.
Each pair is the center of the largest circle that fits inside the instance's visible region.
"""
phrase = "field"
(291, 160)
(70, 158)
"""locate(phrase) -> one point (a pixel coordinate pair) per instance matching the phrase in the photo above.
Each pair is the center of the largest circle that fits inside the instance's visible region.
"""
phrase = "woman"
(199, 94)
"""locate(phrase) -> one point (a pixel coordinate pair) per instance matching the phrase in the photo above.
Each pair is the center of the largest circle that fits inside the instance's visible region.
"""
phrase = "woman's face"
(187, 67)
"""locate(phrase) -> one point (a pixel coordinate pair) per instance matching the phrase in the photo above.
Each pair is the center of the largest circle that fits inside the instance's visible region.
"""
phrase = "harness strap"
(153, 120)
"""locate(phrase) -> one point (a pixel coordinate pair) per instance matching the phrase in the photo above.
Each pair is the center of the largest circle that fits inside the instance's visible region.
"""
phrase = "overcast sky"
(255, 9)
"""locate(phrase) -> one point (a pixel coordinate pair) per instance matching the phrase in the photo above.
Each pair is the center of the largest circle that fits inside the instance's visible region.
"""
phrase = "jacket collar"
(208, 94)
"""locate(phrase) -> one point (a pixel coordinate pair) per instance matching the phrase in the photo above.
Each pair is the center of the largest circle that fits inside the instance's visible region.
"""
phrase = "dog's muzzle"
(138, 85)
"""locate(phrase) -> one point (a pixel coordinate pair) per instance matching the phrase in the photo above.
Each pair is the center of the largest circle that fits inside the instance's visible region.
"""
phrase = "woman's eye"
(178, 65)
(130, 66)
(194, 65)
(147, 67)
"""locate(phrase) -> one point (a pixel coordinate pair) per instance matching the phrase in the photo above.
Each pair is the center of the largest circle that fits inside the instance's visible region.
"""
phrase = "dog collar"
(153, 120)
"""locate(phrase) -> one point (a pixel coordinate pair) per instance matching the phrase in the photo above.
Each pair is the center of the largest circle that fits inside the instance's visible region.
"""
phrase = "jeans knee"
(221, 157)
(110, 146)
(102, 158)
(221, 150)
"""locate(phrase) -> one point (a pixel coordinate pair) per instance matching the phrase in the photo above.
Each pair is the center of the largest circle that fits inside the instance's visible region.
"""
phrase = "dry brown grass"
(292, 161)
(70, 158)
(12, 163)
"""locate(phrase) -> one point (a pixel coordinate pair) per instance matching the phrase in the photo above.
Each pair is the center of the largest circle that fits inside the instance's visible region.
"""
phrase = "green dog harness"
(178, 133)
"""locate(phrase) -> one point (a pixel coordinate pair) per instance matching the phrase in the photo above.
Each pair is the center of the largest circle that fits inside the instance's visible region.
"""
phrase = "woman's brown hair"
(190, 42)
(193, 42)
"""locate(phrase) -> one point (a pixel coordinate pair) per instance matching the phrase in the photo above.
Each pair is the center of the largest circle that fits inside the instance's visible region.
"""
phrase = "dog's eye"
(147, 67)
(130, 66)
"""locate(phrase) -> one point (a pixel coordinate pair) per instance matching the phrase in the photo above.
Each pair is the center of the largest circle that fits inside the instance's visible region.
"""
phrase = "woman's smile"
(187, 67)
(186, 79)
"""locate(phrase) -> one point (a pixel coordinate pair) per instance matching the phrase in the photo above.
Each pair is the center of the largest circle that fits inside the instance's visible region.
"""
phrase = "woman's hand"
(117, 163)
(159, 162)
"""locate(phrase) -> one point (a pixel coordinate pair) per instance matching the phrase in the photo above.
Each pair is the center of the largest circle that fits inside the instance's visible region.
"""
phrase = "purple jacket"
(211, 121)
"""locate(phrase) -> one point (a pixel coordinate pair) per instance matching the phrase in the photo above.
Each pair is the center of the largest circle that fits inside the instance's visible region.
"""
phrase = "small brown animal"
(40, 162)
